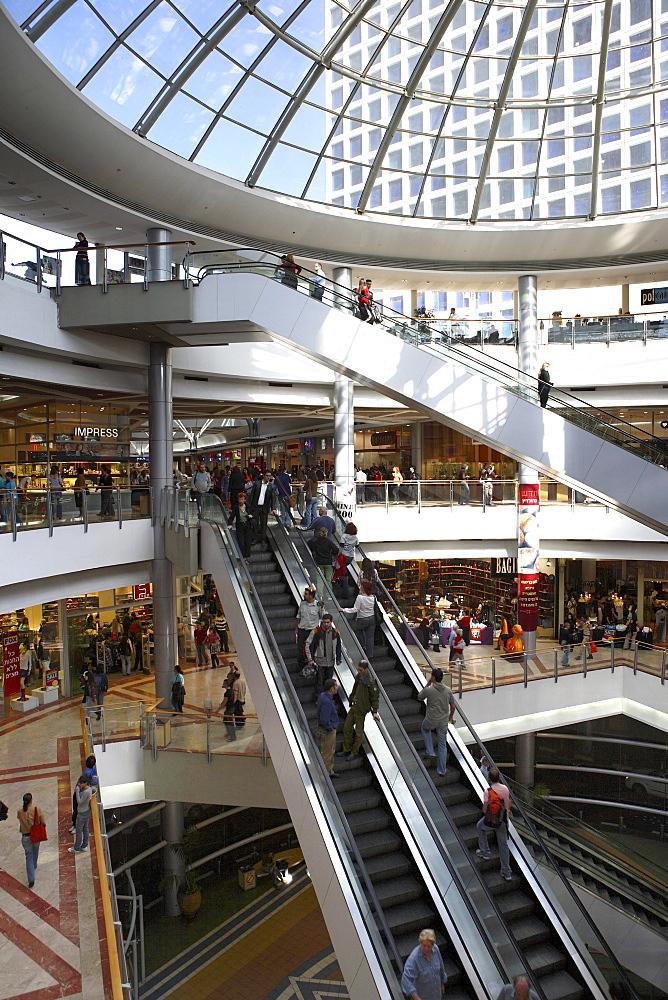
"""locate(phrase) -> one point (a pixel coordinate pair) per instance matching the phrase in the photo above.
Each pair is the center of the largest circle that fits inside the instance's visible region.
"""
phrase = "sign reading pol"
(653, 296)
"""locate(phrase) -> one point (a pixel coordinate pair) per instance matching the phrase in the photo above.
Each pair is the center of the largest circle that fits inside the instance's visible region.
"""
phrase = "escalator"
(580, 445)
(379, 877)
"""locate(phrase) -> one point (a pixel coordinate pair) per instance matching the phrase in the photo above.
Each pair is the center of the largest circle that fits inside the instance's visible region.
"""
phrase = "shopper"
(88, 690)
(364, 612)
(440, 710)
(243, 518)
(360, 485)
(496, 808)
(178, 694)
(324, 550)
(84, 794)
(520, 989)
(80, 490)
(544, 384)
(90, 770)
(308, 618)
(323, 652)
(424, 975)
(464, 488)
(310, 498)
(81, 262)
(106, 484)
(263, 501)
(55, 486)
(347, 546)
(328, 723)
(323, 520)
(213, 645)
(318, 282)
(101, 687)
(28, 816)
(125, 654)
(239, 692)
(364, 698)
(289, 270)
(227, 706)
(200, 645)
(397, 479)
(284, 487)
(201, 485)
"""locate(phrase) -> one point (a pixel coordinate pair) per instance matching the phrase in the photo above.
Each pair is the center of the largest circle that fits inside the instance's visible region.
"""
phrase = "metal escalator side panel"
(358, 947)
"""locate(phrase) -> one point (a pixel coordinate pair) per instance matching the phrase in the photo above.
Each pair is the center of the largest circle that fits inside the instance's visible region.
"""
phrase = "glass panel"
(213, 81)
(230, 149)
(163, 39)
(124, 87)
(286, 162)
(76, 41)
(257, 105)
(181, 126)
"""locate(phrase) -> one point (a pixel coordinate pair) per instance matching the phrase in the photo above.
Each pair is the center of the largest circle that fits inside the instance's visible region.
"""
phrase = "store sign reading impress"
(98, 432)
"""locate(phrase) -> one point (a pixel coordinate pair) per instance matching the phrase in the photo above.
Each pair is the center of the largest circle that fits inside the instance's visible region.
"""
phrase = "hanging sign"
(141, 592)
(528, 499)
(11, 662)
(504, 567)
(380, 439)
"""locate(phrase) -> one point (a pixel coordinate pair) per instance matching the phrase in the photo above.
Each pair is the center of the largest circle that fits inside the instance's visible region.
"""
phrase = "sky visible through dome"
(458, 110)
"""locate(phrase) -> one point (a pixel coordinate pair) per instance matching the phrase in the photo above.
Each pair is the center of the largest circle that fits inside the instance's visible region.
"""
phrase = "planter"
(190, 903)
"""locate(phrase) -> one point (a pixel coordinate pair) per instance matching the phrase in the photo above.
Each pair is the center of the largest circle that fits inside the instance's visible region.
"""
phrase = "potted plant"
(188, 891)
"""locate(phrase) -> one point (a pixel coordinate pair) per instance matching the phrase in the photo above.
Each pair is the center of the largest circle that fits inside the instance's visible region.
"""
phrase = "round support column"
(171, 822)
(344, 445)
(342, 276)
(525, 759)
(528, 494)
(158, 259)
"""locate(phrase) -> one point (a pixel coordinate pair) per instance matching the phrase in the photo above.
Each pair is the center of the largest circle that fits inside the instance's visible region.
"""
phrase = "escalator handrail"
(553, 816)
(543, 847)
(613, 428)
(429, 821)
(242, 570)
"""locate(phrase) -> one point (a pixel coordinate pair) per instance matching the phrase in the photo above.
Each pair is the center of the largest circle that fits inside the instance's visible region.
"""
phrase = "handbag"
(37, 830)
(377, 612)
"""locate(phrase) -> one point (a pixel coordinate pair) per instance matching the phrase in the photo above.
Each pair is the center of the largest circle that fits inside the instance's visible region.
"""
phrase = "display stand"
(47, 695)
(24, 706)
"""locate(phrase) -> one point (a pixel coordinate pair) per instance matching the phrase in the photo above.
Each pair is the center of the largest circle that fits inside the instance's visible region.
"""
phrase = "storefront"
(72, 435)
(383, 448)
(444, 450)
(607, 590)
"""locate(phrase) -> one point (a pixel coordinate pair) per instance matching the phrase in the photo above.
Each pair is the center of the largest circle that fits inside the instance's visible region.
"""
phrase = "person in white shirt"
(364, 611)
(360, 480)
(202, 483)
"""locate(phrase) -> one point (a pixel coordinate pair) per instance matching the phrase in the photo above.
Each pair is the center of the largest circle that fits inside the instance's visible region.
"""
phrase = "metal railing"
(118, 969)
(577, 411)
(203, 733)
(25, 510)
(44, 268)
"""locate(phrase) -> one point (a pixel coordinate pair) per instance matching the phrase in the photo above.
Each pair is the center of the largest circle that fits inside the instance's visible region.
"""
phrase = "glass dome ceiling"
(447, 110)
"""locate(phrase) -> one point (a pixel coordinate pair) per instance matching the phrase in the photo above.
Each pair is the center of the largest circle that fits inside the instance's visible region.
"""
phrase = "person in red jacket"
(200, 643)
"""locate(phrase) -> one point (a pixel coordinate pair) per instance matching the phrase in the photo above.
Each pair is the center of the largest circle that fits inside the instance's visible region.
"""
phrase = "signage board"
(653, 296)
(141, 592)
(51, 677)
(11, 662)
(504, 566)
(528, 500)
(384, 439)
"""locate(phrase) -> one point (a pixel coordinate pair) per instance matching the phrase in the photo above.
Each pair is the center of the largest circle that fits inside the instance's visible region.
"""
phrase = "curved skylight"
(461, 110)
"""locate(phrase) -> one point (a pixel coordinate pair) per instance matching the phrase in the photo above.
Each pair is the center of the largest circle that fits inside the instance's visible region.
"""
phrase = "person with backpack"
(496, 807)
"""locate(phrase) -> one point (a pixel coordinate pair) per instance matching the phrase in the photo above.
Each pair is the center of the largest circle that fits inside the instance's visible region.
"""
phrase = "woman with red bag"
(33, 831)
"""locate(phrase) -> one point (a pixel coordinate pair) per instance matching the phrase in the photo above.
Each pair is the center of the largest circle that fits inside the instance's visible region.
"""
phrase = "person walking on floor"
(328, 723)
(364, 698)
(178, 695)
(424, 975)
(544, 384)
(28, 816)
(496, 808)
(88, 691)
(125, 654)
(308, 617)
(458, 646)
(200, 645)
(323, 652)
(364, 613)
(440, 710)
(101, 683)
(84, 794)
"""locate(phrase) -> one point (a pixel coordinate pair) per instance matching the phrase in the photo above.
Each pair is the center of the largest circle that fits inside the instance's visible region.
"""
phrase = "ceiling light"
(119, 229)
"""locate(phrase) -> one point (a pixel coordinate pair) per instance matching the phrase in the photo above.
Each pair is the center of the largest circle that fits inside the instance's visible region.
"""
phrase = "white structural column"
(158, 258)
(343, 284)
(344, 445)
(528, 539)
(417, 446)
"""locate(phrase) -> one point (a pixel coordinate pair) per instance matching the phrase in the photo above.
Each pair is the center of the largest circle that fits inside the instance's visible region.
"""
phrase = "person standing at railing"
(290, 270)
(544, 383)
(178, 695)
(660, 626)
(80, 489)
(239, 692)
(397, 479)
(55, 486)
(106, 485)
(318, 282)
(411, 491)
(84, 793)
(10, 500)
(360, 485)
(81, 262)
(464, 488)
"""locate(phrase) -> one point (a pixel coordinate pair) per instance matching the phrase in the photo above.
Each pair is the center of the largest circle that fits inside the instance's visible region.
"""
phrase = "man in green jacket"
(363, 699)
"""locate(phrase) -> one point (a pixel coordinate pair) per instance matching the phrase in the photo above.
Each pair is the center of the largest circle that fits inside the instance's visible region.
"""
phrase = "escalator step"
(371, 845)
(403, 705)
(528, 931)
(392, 677)
(516, 904)
(398, 891)
(357, 799)
(409, 916)
(388, 866)
(368, 821)
(544, 959)
(352, 779)
(560, 986)
(453, 794)
(465, 813)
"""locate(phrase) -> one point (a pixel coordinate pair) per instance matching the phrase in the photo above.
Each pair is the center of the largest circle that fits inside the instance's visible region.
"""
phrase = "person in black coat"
(263, 499)
(237, 483)
(544, 383)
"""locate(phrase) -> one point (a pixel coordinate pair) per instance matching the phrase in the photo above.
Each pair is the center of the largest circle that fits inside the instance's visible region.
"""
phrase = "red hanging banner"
(528, 500)
(11, 662)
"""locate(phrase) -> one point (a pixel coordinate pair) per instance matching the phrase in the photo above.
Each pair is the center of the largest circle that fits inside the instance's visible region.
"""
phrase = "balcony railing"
(24, 510)
(208, 733)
